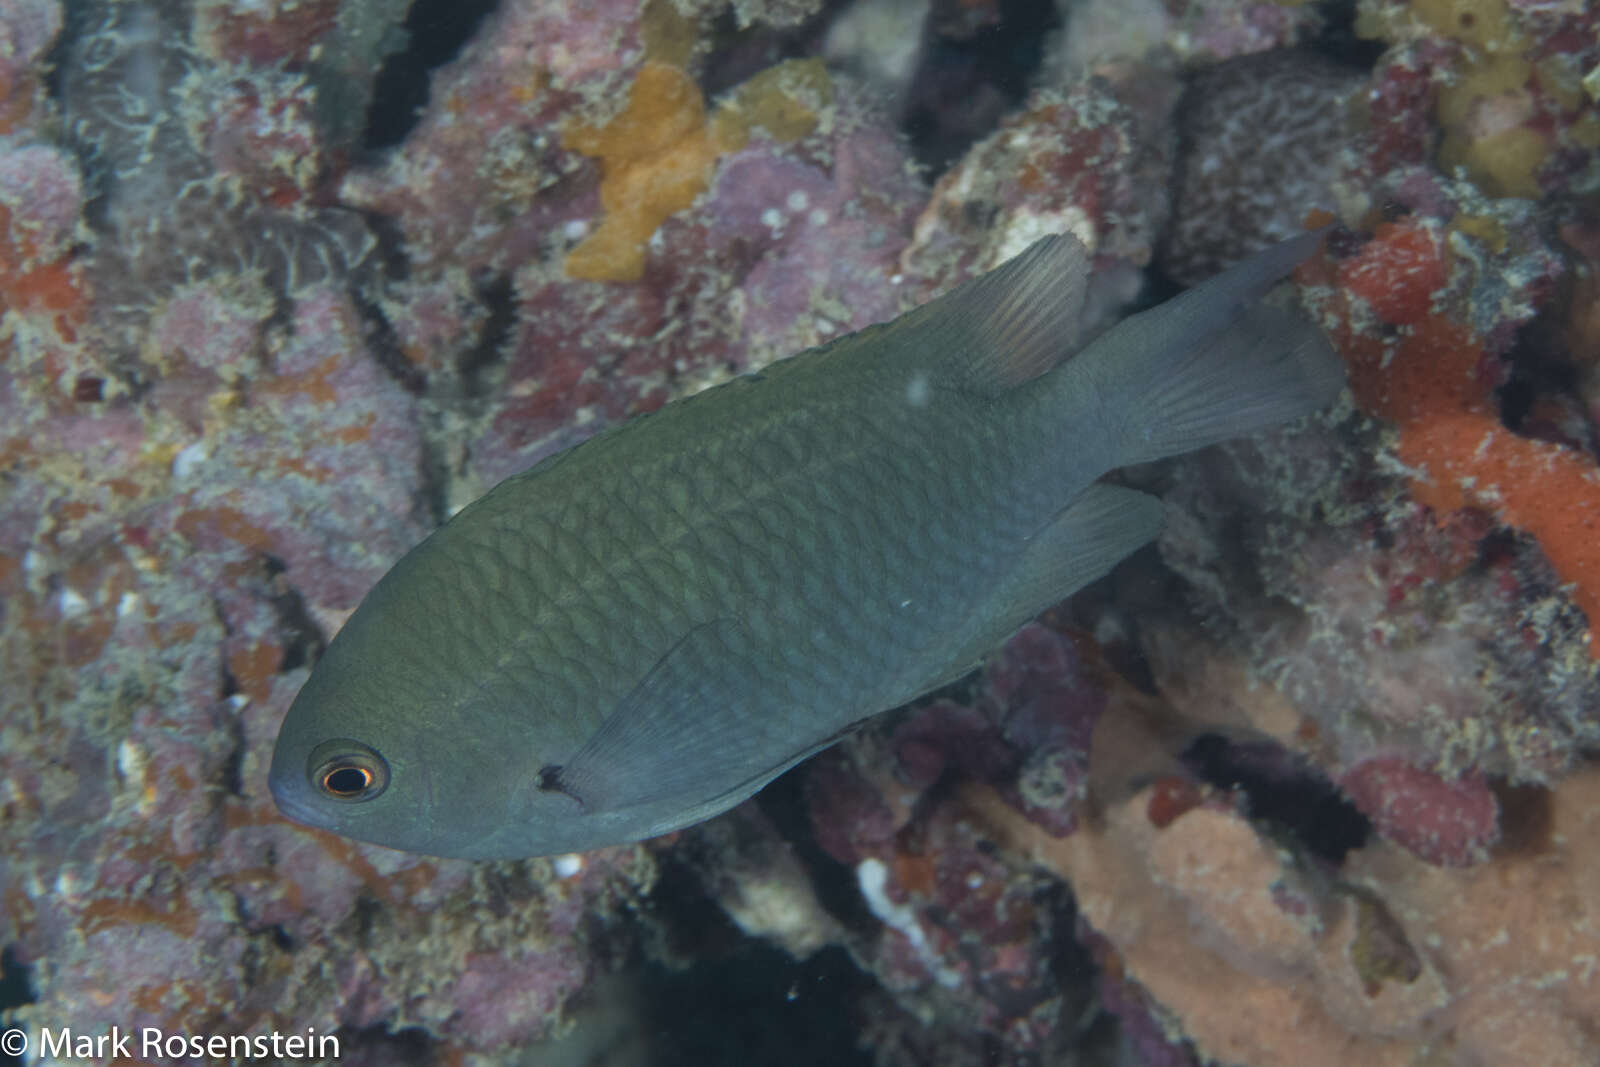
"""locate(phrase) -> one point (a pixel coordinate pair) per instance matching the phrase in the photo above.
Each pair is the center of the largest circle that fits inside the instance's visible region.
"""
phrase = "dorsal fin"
(994, 332)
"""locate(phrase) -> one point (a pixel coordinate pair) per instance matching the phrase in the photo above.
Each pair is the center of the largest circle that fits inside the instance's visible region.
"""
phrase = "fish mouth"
(291, 791)
(291, 798)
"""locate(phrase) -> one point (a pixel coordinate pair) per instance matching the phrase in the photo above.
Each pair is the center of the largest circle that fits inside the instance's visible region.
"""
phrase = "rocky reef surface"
(285, 284)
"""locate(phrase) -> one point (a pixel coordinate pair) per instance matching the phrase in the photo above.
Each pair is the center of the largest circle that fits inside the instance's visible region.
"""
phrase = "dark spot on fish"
(550, 781)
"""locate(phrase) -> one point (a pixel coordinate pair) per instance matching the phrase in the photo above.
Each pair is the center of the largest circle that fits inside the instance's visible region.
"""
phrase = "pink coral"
(1453, 824)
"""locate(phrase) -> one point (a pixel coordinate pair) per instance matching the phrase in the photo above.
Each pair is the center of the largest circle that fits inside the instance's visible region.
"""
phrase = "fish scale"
(800, 499)
(643, 630)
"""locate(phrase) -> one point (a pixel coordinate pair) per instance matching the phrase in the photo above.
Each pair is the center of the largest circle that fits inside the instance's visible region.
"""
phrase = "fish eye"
(347, 770)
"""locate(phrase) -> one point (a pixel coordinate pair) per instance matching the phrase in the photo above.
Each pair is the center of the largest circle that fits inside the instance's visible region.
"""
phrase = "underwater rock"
(1259, 137)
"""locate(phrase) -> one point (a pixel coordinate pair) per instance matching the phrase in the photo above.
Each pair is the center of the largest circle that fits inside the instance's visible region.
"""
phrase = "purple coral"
(1260, 135)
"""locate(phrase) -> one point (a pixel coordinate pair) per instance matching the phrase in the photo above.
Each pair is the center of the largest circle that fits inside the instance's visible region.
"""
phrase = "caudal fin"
(1213, 363)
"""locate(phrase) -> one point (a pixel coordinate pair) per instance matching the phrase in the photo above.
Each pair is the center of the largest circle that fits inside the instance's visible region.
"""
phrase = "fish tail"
(1213, 363)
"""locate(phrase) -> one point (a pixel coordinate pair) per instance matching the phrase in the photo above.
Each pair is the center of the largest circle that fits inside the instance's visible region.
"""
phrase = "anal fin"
(1081, 543)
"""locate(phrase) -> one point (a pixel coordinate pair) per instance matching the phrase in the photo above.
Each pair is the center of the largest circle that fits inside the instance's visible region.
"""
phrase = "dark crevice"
(972, 73)
(301, 638)
(1338, 39)
(784, 802)
(497, 296)
(384, 345)
(1284, 791)
(754, 1003)
(738, 54)
(759, 1005)
(74, 24)
(389, 255)
(435, 30)
(366, 913)
(227, 684)
(233, 771)
(710, 995)
(432, 503)
(16, 981)
(280, 938)
(16, 990)
(688, 924)
(1527, 819)
(412, 1047)
(1544, 385)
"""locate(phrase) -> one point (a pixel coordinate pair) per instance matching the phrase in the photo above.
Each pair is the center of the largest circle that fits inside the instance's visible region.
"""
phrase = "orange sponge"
(1427, 373)
(657, 155)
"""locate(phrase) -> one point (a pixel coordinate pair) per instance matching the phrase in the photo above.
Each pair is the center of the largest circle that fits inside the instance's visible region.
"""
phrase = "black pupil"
(346, 781)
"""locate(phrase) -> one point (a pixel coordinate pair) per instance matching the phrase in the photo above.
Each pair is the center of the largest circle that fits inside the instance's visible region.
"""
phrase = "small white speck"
(131, 762)
(872, 878)
(896, 279)
(71, 603)
(238, 702)
(32, 562)
(905, 603)
(127, 604)
(798, 201)
(657, 242)
(575, 230)
(567, 865)
(189, 459)
(68, 883)
(975, 879)
(818, 217)
(772, 219)
(918, 390)
(825, 326)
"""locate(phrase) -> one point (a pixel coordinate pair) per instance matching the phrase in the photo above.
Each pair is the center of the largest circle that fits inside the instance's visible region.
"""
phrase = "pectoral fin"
(695, 729)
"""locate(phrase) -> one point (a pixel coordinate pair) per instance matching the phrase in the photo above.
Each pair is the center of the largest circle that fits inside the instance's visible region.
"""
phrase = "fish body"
(643, 630)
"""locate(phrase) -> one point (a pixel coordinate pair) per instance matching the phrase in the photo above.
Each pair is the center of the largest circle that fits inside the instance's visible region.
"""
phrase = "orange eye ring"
(347, 771)
(346, 780)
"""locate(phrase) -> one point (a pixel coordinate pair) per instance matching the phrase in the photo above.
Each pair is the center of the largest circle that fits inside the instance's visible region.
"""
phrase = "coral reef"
(1259, 959)
(1237, 188)
(1312, 779)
